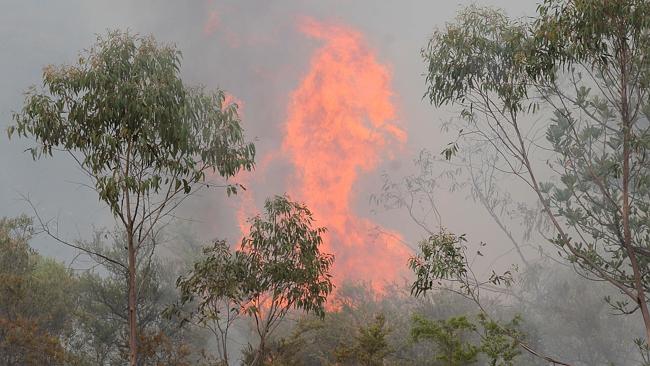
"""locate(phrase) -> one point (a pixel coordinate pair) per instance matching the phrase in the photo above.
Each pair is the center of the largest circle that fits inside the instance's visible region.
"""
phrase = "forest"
(510, 227)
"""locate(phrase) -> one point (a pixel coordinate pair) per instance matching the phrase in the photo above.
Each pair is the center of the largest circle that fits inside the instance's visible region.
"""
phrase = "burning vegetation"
(549, 126)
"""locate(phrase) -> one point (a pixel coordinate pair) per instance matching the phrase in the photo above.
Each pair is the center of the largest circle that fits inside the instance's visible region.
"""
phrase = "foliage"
(448, 336)
(565, 316)
(455, 344)
(594, 33)
(124, 107)
(143, 138)
(585, 62)
(561, 315)
(441, 257)
(369, 346)
(101, 319)
(212, 294)
(24, 342)
(351, 325)
(37, 301)
(283, 256)
(157, 349)
(483, 49)
(500, 342)
(281, 351)
(278, 267)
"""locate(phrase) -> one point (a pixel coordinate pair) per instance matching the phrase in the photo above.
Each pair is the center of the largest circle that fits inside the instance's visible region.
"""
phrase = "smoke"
(252, 49)
(327, 103)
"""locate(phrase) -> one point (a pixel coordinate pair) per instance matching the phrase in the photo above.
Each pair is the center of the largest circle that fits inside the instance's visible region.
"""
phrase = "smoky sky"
(253, 50)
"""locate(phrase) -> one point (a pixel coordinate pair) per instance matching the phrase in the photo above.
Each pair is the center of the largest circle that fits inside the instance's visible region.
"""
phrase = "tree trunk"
(627, 125)
(260, 354)
(133, 340)
(224, 341)
(627, 234)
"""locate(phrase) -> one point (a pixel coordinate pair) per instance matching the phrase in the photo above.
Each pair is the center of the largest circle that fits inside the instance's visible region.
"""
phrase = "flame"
(340, 124)
(229, 100)
(246, 203)
(340, 120)
(212, 24)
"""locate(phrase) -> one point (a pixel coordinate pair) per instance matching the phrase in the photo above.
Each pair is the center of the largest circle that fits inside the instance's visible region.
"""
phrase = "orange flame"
(340, 120)
(212, 24)
(340, 124)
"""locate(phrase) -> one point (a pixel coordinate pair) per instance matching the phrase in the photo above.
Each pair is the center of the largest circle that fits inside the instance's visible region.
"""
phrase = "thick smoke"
(254, 50)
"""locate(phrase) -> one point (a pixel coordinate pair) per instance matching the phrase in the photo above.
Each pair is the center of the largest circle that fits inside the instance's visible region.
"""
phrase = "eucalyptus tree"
(212, 294)
(101, 318)
(475, 170)
(369, 347)
(582, 67)
(442, 263)
(451, 338)
(278, 267)
(144, 138)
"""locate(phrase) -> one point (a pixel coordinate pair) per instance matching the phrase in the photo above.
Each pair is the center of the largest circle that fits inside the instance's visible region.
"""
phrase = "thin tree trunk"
(133, 341)
(133, 337)
(225, 345)
(627, 231)
(627, 236)
(260, 352)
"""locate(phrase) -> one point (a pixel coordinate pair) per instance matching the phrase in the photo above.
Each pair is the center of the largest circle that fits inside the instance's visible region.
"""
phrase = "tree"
(212, 294)
(455, 340)
(351, 325)
(585, 63)
(369, 347)
(279, 351)
(37, 301)
(476, 170)
(442, 263)
(144, 139)
(565, 315)
(278, 267)
(103, 322)
(448, 335)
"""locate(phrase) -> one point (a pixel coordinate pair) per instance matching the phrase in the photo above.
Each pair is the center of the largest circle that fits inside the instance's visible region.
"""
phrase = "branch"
(46, 229)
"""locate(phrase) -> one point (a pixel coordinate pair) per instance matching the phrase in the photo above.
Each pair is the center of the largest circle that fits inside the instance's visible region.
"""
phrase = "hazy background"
(253, 50)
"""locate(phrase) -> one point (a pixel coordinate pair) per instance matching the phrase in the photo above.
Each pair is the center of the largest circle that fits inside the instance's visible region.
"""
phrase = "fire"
(340, 124)
(340, 120)
(212, 24)
(246, 207)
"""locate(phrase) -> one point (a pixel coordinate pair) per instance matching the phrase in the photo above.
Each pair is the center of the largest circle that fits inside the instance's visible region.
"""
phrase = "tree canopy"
(142, 136)
(579, 72)
(278, 267)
